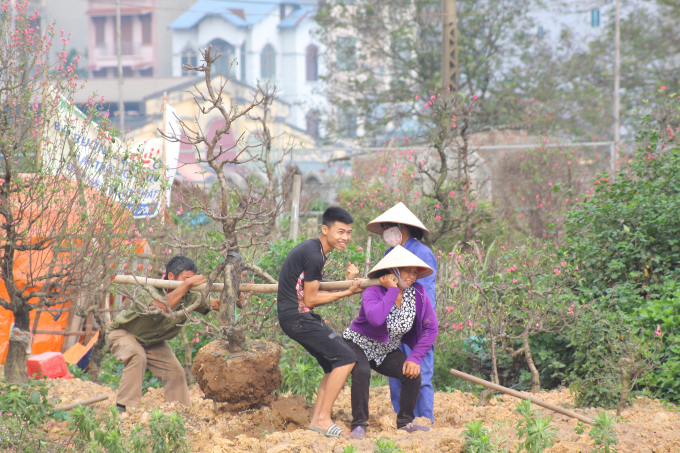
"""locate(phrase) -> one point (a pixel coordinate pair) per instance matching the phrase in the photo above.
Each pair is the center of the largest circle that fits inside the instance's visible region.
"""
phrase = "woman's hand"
(389, 281)
(411, 369)
(351, 272)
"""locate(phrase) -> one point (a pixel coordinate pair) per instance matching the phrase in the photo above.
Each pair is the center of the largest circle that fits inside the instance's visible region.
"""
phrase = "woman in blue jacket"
(397, 312)
(399, 226)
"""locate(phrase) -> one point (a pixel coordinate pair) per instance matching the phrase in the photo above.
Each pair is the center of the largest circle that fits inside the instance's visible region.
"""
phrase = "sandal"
(333, 431)
(412, 427)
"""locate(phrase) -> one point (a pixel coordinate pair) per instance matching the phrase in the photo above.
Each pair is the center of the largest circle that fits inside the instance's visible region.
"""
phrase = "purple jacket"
(376, 304)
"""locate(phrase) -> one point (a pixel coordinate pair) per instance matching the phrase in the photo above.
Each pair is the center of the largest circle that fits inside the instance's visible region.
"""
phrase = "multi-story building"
(269, 41)
(145, 38)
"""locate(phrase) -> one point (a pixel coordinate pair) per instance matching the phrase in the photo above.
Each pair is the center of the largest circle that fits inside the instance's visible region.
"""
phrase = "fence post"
(295, 208)
(367, 261)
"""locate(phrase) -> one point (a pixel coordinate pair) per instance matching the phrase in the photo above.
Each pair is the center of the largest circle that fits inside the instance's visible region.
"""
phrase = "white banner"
(99, 157)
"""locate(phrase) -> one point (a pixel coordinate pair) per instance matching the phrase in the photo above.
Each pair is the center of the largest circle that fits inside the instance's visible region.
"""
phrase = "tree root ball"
(243, 379)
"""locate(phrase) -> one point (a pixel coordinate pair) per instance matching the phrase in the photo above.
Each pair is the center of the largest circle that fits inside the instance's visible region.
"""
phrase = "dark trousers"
(392, 366)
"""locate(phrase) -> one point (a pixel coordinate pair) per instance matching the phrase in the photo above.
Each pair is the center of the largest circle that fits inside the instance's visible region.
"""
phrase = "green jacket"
(150, 329)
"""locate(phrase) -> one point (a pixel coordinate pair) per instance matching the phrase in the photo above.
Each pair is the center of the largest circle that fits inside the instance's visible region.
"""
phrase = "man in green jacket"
(139, 339)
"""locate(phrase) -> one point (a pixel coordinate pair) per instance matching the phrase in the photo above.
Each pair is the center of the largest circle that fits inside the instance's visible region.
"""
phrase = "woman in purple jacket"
(398, 311)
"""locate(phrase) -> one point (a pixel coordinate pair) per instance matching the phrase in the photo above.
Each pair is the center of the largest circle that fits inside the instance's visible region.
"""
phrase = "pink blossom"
(663, 88)
(474, 96)
(557, 271)
(449, 308)
(563, 264)
(150, 229)
(657, 332)
(437, 206)
(514, 280)
(453, 285)
(406, 139)
(469, 323)
(438, 217)
(361, 249)
(180, 211)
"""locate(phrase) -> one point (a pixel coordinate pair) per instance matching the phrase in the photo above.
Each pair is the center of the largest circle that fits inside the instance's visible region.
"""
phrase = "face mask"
(392, 236)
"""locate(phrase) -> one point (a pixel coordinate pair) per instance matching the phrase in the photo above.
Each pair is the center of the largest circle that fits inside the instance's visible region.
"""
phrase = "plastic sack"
(26, 338)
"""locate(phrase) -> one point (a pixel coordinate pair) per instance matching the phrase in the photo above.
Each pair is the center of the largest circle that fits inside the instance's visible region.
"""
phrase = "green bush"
(625, 237)
(593, 338)
(25, 402)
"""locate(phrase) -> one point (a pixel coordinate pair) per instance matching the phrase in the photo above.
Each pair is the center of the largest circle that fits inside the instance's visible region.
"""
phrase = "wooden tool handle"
(261, 288)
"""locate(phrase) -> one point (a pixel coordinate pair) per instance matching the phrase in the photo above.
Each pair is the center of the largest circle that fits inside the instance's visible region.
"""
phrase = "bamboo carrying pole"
(244, 288)
(517, 394)
(86, 402)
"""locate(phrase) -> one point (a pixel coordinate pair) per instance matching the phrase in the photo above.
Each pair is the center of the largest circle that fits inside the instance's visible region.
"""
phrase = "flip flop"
(333, 431)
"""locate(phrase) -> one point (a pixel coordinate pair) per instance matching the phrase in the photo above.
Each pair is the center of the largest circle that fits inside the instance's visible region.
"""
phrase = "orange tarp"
(36, 263)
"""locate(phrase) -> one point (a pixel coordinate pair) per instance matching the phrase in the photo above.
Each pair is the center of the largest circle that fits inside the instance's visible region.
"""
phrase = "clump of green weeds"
(535, 433)
(385, 445)
(477, 438)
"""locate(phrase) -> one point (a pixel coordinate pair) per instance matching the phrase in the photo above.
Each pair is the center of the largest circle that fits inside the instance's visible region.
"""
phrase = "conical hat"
(400, 257)
(399, 213)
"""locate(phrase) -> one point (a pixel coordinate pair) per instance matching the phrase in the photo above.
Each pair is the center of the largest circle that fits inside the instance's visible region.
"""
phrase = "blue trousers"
(425, 403)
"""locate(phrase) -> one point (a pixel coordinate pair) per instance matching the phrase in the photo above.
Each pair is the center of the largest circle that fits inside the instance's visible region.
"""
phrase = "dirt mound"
(646, 426)
(243, 379)
(65, 391)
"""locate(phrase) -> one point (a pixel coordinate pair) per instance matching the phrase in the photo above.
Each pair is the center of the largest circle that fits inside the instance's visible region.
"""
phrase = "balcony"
(110, 49)
(134, 54)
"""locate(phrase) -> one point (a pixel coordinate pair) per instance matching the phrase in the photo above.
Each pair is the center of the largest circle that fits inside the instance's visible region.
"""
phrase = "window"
(146, 29)
(312, 63)
(242, 63)
(99, 30)
(126, 35)
(268, 62)
(595, 18)
(148, 72)
(188, 58)
(313, 123)
(541, 32)
(221, 66)
(348, 122)
(127, 71)
(347, 54)
(99, 73)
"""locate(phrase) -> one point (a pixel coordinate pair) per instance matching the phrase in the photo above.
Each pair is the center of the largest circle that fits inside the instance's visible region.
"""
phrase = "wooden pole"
(519, 395)
(617, 67)
(449, 46)
(38, 157)
(86, 402)
(367, 261)
(121, 102)
(163, 172)
(244, 288)
(295, 208)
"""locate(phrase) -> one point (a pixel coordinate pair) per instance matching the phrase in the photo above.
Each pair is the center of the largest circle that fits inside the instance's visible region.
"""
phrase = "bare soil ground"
(648, 425)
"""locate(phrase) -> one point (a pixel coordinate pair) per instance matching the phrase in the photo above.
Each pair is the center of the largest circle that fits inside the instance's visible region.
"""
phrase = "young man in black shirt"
(299, 294)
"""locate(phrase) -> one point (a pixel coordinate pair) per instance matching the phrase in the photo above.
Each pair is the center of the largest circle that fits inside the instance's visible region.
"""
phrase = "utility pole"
(617, 67)
(121, 104)
(449, 46)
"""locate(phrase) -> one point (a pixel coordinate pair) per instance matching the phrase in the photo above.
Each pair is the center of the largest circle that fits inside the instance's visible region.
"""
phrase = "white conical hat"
(400, 257)
(399, 213)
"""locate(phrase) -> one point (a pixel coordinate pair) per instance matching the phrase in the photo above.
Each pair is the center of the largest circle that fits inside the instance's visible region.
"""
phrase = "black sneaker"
(120, 408)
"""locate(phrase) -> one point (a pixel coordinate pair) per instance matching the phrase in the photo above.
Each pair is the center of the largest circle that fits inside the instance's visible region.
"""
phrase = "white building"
(265, 40)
